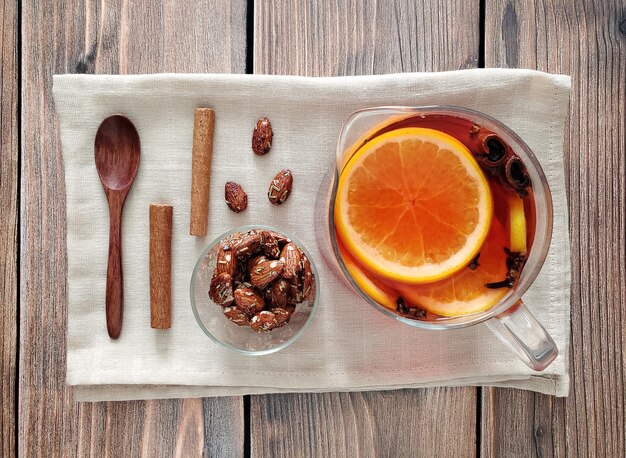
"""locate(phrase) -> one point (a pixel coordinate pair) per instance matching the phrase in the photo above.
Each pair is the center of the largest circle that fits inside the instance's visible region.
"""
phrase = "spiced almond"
(264, 321)
(226, 262)
(248, 300)
(280, 238)
(277, 293)
(282, 314)
(230, 241)
(240, 276)
(221, 289)
(236, 198)
(295, 293)
(265, 272)
(280, 187)
(253, 261)
(262, 137)
(307, 277)
(247, 244)
(269, 244)
(237, 316)
(290, 255)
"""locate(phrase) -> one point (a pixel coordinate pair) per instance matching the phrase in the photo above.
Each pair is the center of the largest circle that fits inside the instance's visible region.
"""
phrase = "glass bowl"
(243, 339)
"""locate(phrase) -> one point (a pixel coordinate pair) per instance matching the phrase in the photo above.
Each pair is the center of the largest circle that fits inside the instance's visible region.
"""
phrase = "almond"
(307, 277)
(265, 272)
(262, 136)
(280, 187)
(282, 315)
(248, 300)
(295, 293)
(247, 244)
(221, 289)
(290, 255)
(239, 276)
(263, 321)
(237, 316)
(235, 196)
(277, 293)
(280, 238)
(252, 262)
(228, 243)
(226, 262)
(269, 245)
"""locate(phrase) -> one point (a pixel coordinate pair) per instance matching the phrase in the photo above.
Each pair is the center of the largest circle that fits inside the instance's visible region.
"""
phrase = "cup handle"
(520, 330)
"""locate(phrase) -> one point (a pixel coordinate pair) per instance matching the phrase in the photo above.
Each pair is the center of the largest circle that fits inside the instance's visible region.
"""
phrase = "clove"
(514, 264)
(475, 129)
(410, 312)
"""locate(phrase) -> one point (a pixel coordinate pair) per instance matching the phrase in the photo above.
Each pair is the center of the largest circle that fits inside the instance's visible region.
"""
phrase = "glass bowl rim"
(213, 337)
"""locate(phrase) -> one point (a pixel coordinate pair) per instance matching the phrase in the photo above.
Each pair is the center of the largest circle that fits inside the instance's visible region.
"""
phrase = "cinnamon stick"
(203, 127)
(161, 266)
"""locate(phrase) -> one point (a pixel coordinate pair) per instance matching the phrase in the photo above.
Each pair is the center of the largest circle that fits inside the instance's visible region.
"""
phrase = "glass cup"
(509, 319)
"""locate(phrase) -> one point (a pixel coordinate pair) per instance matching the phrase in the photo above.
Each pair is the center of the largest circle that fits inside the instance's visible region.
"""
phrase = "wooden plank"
(9, 135)
(103, 37)
(587, 40)
(325, 38)
(385, 423)
(189, 427)
(352, 37)
(516, 423)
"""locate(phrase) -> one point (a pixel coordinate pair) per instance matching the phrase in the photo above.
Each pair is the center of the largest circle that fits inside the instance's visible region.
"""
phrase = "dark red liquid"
(502, 166)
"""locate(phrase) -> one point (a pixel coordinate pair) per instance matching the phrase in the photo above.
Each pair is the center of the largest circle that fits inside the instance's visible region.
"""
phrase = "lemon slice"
(517, 224)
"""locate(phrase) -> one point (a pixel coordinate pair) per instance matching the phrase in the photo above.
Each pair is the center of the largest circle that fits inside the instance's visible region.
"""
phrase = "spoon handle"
(115, 284)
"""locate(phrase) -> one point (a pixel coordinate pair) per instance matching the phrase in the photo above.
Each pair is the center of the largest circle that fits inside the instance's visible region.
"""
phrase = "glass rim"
(537, 255)
(213, 337)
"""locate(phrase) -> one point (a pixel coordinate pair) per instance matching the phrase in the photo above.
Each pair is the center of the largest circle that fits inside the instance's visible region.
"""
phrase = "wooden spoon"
(117, 160)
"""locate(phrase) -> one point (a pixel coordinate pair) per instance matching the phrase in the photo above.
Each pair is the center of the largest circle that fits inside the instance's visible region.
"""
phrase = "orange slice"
(465, 292)
(373, 287)
(517, 224)
(413, 205)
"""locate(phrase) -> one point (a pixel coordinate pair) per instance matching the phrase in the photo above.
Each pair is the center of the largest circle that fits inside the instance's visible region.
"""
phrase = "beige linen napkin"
(349, 346)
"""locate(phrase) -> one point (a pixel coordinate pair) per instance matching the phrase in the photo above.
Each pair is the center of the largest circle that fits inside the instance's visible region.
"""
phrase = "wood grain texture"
(353, 37)
(104, 37)
(435, 422)
(9, 135)
(325, 38)
(516, 423)
(586, 40)
(191, 427)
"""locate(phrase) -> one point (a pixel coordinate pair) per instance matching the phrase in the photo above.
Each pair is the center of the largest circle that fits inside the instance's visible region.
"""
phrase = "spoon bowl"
(116, 152)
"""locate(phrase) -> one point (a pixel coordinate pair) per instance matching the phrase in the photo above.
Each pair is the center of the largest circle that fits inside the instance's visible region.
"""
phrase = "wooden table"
(583, 38)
